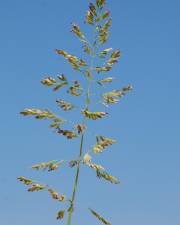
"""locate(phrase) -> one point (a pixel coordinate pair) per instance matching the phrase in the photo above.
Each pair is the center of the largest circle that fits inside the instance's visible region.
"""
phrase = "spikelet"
(91, 14)
(94, 166)
(49, 81)
(39, 114)
(67, 133)
(102, 143)
(116, 54)
(62, 77)
(50, 166)
(66, 106)
(114, 58)
(87, 158)
(103, 53)
(114, 96)
(36, 187)
(103, 37)
(107, 177)
(59, 86)
(80, 128)
(73, 163)
(89, 18)
(55, 166)
(111, 62)
(87, 49)
(44, 165)
(100, 218)
(103, 32)
(73, 60)
(100, 3)
(60, 215)
(105, 80)
(87, 161)
(69, 57)
(93, 115)
(82, 62)
(76, 30)
(25, 181)
(115, 93)
(106, 26)
(109, 100)
(92, 8)
(127, 89)
(103, 69)
(76, 89)
(106, 14)
(56, 123)
(56, 196)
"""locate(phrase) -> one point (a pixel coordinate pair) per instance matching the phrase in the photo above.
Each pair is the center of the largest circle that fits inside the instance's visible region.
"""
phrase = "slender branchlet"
(93, 68)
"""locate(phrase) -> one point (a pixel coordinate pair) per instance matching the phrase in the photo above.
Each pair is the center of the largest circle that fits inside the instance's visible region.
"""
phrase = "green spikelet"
(114, 96)
(50, 166)
(73, 163)
(36, 187)
(60, 215)
(87, 162)
(105, 80)
(105, 14)
(102, 143)
(38, 114)
(73, 60)
(100, 218)
(25, 181)
(76, 30)
(91, 14)
(59, 86)
(93, 115)
(100, 3)
(89, 17)
(106, 26)
(94, 166)
(66, 106)
(105, 52)
(75, 90)
(56, 196)
(103, 69)
(49, 81)
(107, 177)
(56, 123)
(80, 128)
(67, 133)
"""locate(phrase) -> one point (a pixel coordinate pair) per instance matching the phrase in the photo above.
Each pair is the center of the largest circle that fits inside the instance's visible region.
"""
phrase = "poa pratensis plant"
(93, 68)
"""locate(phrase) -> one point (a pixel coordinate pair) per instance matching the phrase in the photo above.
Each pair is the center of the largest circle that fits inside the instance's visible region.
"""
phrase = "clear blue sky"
(146, 122)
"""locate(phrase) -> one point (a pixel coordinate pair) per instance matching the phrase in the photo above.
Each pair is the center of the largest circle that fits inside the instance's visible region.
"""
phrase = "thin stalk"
(76, 180)
(88, 101)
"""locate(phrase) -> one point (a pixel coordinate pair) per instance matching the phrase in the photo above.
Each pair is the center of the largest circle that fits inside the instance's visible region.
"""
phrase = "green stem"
(82, 136)
(76, 180)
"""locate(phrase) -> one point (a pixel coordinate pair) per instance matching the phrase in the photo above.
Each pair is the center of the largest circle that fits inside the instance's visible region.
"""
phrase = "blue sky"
(146, 122)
